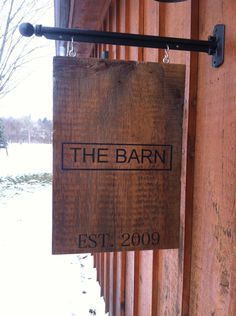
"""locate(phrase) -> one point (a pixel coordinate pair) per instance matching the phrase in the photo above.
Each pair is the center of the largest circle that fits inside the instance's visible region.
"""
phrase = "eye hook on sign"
(70, 49)
(166, 58)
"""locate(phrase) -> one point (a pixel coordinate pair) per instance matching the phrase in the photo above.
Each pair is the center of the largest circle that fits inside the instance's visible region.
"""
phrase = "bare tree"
(16, 51)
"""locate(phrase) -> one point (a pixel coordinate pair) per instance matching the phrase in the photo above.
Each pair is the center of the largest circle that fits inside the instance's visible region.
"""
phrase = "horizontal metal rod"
(113, 38)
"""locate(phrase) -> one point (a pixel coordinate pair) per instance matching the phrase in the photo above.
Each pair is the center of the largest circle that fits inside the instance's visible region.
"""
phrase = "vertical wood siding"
(147, 282)
(213, 273)
(200, 277)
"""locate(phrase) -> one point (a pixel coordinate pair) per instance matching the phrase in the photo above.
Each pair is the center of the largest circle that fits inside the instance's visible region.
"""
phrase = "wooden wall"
(200, 277)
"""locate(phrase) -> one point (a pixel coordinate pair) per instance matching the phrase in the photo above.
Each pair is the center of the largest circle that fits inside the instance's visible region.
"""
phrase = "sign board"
(117, 155)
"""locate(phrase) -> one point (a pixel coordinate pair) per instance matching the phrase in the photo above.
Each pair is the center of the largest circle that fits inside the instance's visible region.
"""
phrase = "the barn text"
(100, 156)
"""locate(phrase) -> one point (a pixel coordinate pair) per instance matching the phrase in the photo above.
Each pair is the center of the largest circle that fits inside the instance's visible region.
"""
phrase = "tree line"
(25, 130)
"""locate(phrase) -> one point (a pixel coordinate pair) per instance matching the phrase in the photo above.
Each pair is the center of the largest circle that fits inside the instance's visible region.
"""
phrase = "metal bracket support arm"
(213, 46)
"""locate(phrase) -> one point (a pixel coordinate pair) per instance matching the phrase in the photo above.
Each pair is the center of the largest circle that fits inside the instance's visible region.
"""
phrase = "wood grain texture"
(107, 274)
(129, 283)
(113, 27)
(150, 27)
(169, 274)
(213, 290)
(186, 222)
(211, 267)
(102, 273)
(112, 284)
(136, 267)
(145, 283)
(120, 291)
(98, 103)
(88, 15)
(199, 278)
(134, 52)
(155, 277)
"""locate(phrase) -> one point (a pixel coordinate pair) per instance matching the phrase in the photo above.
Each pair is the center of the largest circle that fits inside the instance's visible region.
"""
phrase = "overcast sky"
(33, 96)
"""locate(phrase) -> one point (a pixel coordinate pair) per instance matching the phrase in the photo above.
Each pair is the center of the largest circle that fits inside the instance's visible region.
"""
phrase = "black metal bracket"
(213, 46)
(219, 35)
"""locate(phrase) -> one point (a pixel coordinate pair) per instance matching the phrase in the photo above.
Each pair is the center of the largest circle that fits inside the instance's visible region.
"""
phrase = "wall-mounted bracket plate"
(219, 37)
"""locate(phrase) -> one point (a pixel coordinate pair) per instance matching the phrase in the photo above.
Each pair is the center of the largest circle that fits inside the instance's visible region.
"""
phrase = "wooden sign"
(117, 155)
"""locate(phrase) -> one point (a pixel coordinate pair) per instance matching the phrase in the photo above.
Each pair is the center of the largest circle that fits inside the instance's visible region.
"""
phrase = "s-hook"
(70, 48)
(166, 58)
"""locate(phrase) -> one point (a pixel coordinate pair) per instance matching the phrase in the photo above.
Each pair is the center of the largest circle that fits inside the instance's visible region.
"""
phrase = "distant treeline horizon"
(26, 130)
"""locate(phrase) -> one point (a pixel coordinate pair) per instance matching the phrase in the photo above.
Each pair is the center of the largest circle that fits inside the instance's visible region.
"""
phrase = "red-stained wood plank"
(110, 29)
(189, 136)
(102, 273)
(118, 25)
(134, 27)
(150, 27)
(145, 283)
(129, 283)
(89, 15)
(141, 27)
(136, 284)
(161, 27)
(151, 17)
(98, 267)
(122, 25)
(127, 25)
(114, 285)
(173, 268)
(120, 290)
(155, 269)
(111, 285)
(148, 273)
(213, 278)
(99, 50)
(113, 25)
(107, 274)
(104, 28)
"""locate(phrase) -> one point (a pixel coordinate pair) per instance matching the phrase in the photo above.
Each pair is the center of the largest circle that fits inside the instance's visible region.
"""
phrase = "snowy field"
(32, 281)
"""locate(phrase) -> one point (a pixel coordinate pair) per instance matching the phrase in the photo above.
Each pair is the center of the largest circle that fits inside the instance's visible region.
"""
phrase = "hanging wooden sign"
(117, 155)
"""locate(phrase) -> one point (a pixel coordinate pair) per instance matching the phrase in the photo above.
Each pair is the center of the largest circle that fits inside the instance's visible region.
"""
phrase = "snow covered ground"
(32, 281)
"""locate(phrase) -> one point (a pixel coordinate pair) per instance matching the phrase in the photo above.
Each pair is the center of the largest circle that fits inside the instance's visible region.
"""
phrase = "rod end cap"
(26, 29)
